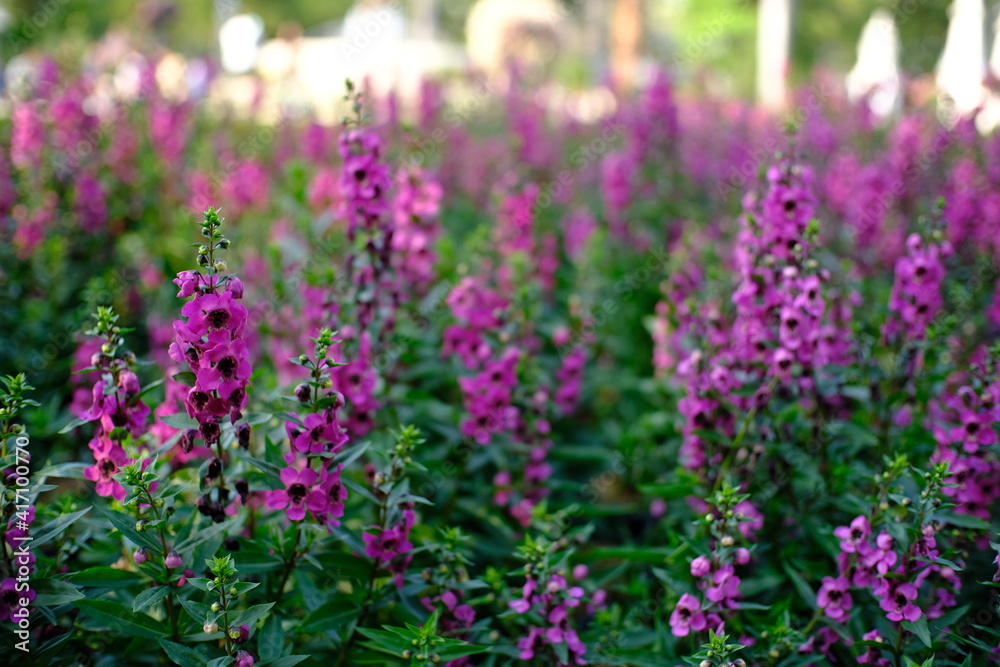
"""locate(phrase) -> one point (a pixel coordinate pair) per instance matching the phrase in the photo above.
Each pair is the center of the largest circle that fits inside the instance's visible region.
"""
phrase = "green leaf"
(105, 577)
(336, 614)
(289, 418)
(919, 628)
(201, 583)
(222, 661)
(801, 586)
(203, 535)
(251, 615)
(386, 642)
(118, 617)
(149, 597)
(286, 661)
(53, 592)
(182, 655)
(460, 651)
(857, 392)
(268, 469)
(73, 424)
(126, 526)
(667, 490)
(186, 378)
(53, 528)
(631, 553)
(68, 470)
(179, 420)
(271, 639)
(963, 520)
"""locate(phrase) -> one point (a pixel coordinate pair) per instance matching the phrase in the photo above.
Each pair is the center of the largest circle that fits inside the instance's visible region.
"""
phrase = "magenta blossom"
(687, 616)
(834, 599)
(298, 494)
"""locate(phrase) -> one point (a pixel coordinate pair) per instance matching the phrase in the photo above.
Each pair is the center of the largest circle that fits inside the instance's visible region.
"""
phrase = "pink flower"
(229, 368)
(853, 535)
(298, 494)
(834, 599)
(898, 603)
(687, 616)
(700, 566)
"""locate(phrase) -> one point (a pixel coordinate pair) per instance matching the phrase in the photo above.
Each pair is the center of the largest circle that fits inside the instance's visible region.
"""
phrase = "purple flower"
(853, 535)
(229, 368)
(701, 566)
(11, 598)
(298, 494)
(687, 616)
(834, 599)
(898, 603)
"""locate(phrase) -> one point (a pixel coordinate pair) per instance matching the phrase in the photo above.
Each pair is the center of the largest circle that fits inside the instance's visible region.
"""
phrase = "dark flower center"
(199, 399)
(218, 318)
(107, 467)
(227, 366)
(297, 492)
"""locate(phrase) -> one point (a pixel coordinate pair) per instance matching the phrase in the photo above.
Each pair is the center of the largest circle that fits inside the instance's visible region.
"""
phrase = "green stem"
(289, 565)
(744, 429)
(169, 602)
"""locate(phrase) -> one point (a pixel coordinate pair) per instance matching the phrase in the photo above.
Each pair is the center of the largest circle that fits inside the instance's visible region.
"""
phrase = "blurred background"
(299, 51)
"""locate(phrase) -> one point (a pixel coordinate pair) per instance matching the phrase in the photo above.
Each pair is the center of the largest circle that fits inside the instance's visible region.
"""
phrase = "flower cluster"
(730, 519)
(893, 571)
(388, 542)
(916, 294)
(548, 602)
(365, 180)
(415, 211)
(313, 440)
(211, 341)
(116, 408)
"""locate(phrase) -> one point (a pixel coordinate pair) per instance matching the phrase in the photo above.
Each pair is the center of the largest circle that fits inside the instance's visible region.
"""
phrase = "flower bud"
(173, 560)
(303, 392)
(203, 250)
(210, 628)
(216, 607)
(242, 488)
(224, 244)
(203, 260)
(220, 265)
(243, 435)
(214, 469)
(140, 556)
